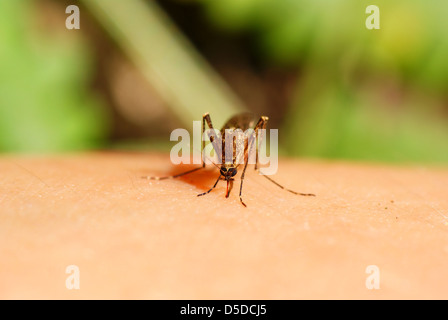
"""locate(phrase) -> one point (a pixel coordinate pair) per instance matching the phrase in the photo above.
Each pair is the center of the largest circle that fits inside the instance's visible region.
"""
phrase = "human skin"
(136, 238)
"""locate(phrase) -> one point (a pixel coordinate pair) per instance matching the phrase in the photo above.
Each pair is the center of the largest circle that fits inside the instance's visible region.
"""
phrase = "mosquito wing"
(241, 121)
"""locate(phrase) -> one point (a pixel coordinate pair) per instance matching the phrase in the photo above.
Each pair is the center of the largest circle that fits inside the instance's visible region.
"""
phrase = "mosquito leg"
(261, 124)
(214, 186)
(241, 185)
(172, 177)
(279, 185)
(206, 118)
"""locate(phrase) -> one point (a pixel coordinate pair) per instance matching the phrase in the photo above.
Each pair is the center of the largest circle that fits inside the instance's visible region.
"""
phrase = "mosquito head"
(228, 172)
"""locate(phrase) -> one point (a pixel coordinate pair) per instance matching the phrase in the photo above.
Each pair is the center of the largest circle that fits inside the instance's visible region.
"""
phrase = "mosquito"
(229, 169)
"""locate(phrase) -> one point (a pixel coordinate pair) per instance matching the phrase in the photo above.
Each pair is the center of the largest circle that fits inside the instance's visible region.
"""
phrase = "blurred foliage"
(359, 94)
(172, 67)
(44, 102)
(362, 94)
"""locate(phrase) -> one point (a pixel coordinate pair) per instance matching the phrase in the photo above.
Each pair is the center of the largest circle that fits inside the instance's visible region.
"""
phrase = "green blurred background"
(138, 69)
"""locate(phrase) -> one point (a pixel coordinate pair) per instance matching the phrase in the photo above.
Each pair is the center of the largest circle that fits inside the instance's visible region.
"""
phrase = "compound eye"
(234, 172)
(223, 171)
